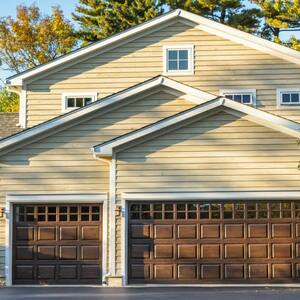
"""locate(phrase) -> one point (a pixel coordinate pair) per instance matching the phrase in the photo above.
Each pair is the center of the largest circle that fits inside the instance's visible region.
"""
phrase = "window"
(77, 100)
(241, 96)
(288, 97)
(179, 59)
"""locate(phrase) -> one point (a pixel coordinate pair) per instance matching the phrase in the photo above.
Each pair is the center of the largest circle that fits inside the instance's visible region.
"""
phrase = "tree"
(230, 12)
(280, 16)
(9, 102)
(32, 39)
(99, 19)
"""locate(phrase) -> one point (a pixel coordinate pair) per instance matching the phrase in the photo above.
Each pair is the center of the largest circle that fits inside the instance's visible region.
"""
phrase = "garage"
(214, 242)
(57, 244)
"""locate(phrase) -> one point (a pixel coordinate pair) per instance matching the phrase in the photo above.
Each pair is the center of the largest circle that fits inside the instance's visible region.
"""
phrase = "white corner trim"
(198, 196)
(23, 108)
(280, 105)
(68, 198)
(263, 118)
(191, 59)
(106, 102)
(64, 107)
(240, 91)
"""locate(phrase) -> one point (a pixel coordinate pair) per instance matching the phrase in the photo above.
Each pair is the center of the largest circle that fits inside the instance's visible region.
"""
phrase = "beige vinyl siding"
(219, 64)
(220, 153)
(63, 162)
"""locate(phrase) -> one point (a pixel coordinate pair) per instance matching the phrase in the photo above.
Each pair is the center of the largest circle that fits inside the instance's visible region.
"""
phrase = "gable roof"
(203, 24)
(194, 95)
(105, 150)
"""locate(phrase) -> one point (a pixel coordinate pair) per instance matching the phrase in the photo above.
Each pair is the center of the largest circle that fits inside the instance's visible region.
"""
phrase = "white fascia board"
(266, 119)
(204, 24)
(242, 37)
(213, 196)
(106, 150)
(199, 97)
(79, 113)
(18, 79)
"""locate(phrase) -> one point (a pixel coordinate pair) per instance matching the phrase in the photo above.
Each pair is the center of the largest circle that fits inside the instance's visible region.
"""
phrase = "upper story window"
(287, 97)
(179, 60)
(72, 101)
(241, 96)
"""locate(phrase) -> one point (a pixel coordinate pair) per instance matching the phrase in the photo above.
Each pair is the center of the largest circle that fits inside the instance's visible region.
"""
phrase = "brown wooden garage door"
(57, 244)
(214, 242)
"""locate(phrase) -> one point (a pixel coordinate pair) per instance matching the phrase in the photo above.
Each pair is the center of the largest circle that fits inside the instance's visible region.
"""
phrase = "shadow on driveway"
(148, 293)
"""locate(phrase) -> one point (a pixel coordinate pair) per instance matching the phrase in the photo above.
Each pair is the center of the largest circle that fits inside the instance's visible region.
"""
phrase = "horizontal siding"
(219, 64)
(63, 162)
(220, 152)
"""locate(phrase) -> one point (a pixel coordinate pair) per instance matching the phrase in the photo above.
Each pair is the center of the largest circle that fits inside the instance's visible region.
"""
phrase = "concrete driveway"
(148, 293)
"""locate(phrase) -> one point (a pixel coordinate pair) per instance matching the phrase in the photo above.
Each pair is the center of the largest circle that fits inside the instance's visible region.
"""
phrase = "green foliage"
(279, 16)
(229, 12)
(32, 39)
(9, 102)
(99, 19)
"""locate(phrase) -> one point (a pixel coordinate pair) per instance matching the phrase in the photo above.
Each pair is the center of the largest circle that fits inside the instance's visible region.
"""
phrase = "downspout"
(112, 214)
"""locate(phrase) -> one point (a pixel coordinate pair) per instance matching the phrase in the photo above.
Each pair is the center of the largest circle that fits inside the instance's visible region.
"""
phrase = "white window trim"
(64, 107)
(12, 199)
(191, 60)
(285, 105)
(241, 91)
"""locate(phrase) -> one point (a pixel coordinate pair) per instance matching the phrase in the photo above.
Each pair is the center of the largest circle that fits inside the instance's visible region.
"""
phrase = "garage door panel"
(163, 251)
(163, 231)
(187, 231)
(187, 272)
(46, 233)
(258, 271)
(163, 271)
(68, 233)
(25, 252)
(281, 270)
(215, 242)
(210, 251)
(234, 271)
(24, 233)
(234, 231)
(281, 230)
(282, 250)
(140, 231)
(46, 252)
(258, 230)
(211, 271)
(210, 231)
(46, 272)
(57, 244)
(258, 250)
(187, 251)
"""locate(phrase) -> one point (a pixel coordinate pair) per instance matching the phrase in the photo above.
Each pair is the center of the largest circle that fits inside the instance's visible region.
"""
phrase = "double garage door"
(57, 244)
(232, 242)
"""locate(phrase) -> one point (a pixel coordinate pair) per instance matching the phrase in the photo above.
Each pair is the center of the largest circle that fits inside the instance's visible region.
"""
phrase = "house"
(164, 154)
(8, 124)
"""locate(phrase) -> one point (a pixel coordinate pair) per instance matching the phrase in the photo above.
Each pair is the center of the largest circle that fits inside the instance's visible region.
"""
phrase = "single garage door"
(57, 244)
(232, 242)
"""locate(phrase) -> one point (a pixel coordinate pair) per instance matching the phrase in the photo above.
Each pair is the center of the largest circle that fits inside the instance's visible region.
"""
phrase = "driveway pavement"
(148, 293)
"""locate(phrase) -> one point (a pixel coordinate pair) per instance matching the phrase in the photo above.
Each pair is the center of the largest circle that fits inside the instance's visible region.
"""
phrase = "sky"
(8, 8)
